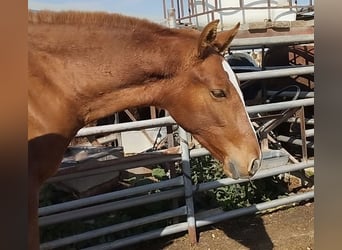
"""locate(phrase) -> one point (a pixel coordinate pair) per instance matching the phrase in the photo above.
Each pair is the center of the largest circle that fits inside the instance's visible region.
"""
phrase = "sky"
(150, 9)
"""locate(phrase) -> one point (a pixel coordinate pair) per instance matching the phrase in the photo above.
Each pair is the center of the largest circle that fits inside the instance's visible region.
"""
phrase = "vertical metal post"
(181, 11)
(171, 17)
(153, 112)
(262, 58)
(269, 10)
(191, 9)
(171, 165)
(164, 9)
(118, 135)
(302, 133)
(170, 144)
(188, 186)
(264, 141)
(242, 8)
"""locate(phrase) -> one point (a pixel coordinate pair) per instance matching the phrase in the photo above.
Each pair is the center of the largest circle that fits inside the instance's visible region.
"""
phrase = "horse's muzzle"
(252, 169)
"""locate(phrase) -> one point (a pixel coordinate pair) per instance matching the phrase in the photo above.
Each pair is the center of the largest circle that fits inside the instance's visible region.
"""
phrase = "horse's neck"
(109, 72)
(132, 74)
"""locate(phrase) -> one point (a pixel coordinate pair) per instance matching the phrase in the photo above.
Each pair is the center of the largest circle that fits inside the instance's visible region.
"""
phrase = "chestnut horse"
(85, 66)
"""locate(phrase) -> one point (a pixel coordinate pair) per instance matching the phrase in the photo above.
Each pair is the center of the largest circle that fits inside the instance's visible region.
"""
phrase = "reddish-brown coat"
(85, 66)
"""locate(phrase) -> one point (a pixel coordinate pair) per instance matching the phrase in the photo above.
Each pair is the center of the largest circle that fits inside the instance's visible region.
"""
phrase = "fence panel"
(176, 187)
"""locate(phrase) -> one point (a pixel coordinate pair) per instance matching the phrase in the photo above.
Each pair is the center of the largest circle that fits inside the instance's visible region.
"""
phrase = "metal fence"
(179, 187)
(201, 11)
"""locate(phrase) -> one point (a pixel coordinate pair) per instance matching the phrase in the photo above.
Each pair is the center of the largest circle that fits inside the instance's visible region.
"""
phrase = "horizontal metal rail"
(99, 167)
(255, 208)
(114, 228)
(181, 227)
(274, 73)
(69, 205)
(302, 94)
(109, 207)
(310, 121)
(197, 152)
(310, 132)
(269, 41)
(280, 105)
(294, 141)
(262, 173)
(126, 126)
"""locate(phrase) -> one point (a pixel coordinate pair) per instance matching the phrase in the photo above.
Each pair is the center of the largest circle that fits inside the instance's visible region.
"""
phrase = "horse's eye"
(218, 93)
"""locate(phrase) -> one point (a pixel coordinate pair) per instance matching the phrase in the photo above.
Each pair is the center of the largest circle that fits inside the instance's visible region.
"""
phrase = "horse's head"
(210, 105)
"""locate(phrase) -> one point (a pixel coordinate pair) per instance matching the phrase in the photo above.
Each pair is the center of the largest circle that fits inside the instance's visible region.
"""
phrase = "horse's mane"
(91, 18)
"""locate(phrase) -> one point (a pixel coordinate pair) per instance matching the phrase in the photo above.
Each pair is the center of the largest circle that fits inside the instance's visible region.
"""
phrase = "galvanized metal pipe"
(181, 227)
(135, 239)
(310, 121)
(255, 208)
(302, 94)
(274, 73)
(274, 40)
(112, 165)
(109, 207)
(310, 132)
(197, 152)
(262, 173)
(188, 185)
(126, 126)
(294, 141)
(70, 205)
(114, 228)
(280, 105)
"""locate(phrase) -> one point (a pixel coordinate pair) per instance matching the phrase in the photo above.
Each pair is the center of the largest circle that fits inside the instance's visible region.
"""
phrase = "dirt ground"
(291, 228)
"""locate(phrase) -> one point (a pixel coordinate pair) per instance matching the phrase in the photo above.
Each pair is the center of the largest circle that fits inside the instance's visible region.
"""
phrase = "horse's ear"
(207, 37)
(224, 38)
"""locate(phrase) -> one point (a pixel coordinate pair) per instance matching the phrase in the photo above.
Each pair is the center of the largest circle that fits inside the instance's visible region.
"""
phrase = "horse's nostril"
(254, 167)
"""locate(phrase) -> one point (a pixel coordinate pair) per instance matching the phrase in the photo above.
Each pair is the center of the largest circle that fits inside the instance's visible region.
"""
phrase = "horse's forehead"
(232, 77)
